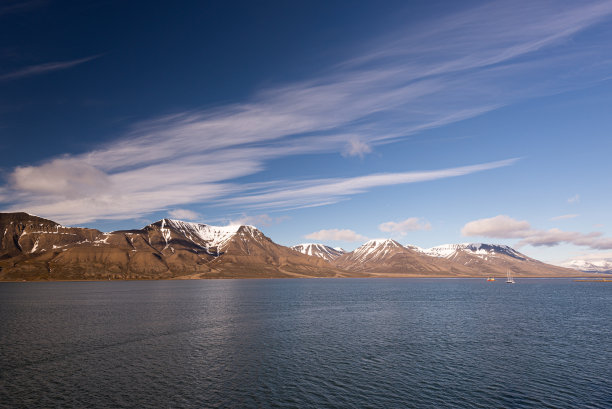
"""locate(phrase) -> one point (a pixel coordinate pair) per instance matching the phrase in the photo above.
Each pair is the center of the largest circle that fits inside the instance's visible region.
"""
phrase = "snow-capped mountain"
(212, 239)
(388, 257)
(493, 259)
(603, 265)
(481, 250)
(385, 256)
(33, 248)
(23, 233)
(319, 250)
(376, 250)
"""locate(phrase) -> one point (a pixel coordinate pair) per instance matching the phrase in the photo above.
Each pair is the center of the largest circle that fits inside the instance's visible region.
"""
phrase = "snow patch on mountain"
(319, 250)
(203, 235)
(480, 250)
(376, 249)
(603, 265)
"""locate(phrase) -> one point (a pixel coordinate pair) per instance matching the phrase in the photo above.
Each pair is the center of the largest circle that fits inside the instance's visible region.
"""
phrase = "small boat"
(509, 279)
(490, 278)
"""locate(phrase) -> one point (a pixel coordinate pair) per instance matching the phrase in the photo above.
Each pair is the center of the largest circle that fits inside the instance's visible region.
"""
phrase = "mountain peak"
(590, 264)
(477, 249)
(318, 250)
(376, 249)
(381, 243)
(24, 217)
(211, 238)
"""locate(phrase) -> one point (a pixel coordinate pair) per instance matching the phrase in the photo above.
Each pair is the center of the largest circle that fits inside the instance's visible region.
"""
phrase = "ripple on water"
(306, 343)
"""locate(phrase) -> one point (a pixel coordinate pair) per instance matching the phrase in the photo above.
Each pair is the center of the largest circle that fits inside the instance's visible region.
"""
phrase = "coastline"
(577, 278)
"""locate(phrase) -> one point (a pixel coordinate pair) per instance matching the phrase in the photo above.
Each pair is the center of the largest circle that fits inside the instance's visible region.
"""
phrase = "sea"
(306, 343)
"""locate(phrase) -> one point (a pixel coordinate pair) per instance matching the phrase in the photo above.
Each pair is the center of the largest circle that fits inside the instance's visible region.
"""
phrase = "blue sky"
(334, 122)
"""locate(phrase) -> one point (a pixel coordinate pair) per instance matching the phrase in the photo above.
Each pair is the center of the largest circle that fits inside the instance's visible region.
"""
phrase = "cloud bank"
(505, 227)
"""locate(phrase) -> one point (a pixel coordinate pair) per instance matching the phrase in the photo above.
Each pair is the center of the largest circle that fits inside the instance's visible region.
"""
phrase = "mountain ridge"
(34, 248)
(319, 250)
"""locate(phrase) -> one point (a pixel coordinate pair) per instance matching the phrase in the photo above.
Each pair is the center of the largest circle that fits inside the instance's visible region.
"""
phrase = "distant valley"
(33, 248)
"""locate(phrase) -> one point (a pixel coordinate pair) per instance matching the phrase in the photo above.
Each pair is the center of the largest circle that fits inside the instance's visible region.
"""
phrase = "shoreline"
(580, 278)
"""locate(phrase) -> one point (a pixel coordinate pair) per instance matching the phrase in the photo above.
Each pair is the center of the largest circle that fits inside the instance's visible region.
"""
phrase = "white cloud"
(565, 217)
(410, 224)
(184, 214)
(501, 226)
(336, 235)
(256, 220)
(132, 193)
(357, 148)
(593, 257)
(61, 177)
(574, 199)
(506, 227)
(554, 237)
(311, 192)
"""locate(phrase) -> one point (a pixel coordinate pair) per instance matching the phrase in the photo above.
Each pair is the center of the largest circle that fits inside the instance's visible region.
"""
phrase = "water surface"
(306, 343)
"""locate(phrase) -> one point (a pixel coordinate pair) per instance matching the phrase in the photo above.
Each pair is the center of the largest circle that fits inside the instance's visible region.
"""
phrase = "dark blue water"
(377, 343)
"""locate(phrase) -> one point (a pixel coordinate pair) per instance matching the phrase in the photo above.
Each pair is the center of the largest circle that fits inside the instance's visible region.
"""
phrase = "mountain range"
(34, 248)
(599, 265)
(386, 257)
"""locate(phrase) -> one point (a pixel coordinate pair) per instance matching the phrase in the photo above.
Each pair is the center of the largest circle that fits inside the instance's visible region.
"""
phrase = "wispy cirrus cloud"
(44, 68)
(564, 217)
(457, 67)
(503, 226)
(124, 195)
(294, 194)
(258, 220)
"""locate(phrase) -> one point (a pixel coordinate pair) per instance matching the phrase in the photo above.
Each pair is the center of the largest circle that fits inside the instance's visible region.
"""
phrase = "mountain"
(319, 250)
(34, 248)
(603, 265)
(494, 260)
(388, 257)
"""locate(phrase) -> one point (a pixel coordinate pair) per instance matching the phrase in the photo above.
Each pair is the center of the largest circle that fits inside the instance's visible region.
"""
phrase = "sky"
(428, 122)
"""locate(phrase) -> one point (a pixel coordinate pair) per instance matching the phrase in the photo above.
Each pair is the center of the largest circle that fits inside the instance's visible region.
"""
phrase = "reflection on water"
(306, 343)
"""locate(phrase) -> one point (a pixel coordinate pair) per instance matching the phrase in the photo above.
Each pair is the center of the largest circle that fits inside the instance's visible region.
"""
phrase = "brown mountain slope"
(495, 260)
(250, 254)
(319, 250)
(390, 258)
(34, 248)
